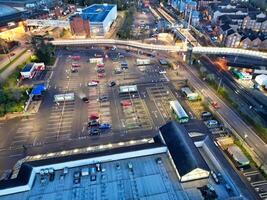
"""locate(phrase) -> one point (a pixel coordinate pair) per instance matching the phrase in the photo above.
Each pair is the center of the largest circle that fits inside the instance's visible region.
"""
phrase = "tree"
(44, 51)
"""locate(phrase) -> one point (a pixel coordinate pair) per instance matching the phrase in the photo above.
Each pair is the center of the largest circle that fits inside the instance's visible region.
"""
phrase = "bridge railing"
(172, 48)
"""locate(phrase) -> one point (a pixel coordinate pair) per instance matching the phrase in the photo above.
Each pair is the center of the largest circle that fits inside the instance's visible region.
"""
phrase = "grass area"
(14, 60)
(240, 145)
(260, 130)
(12, 96)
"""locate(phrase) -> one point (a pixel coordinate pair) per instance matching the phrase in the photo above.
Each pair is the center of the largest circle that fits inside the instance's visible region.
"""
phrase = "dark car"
(93, 123)
(94, 131)
(103, 98)
(112, 83)
(85, 99)
(100, 70)
(73, 70)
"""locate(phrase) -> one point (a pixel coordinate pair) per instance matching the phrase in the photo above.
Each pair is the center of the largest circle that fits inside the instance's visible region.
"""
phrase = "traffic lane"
(231, 117)
(231, 83)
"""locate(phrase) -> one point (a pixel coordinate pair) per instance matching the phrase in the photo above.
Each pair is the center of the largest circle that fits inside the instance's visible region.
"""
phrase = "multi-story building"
(232, 39)
(100, 17)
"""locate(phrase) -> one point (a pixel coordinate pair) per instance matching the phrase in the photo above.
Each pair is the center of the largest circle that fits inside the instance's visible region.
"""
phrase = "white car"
(162, 72)
(92, 83)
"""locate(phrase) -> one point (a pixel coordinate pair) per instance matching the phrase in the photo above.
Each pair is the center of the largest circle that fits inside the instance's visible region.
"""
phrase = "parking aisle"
(24, 134)
(161, 95)
(60, 122)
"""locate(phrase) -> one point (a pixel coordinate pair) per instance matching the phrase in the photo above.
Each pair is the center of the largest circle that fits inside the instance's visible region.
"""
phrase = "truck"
(143, 61)
(237, 74)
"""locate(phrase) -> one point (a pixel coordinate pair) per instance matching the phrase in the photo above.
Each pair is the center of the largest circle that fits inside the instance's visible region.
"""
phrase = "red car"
(126, 103)
(76, 57)
(75, 65)
(215, 105)
(95, 81)
(100, 65)
(94, 116)
(101, 75)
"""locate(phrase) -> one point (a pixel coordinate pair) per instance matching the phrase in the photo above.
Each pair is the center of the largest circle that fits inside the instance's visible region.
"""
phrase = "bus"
(179, 112)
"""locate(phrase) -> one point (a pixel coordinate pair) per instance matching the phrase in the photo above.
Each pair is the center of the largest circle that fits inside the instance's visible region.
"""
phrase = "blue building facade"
(185, 7)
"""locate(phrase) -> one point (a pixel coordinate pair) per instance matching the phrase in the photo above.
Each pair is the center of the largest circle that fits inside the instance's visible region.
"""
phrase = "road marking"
(251, 173)
(15, 155)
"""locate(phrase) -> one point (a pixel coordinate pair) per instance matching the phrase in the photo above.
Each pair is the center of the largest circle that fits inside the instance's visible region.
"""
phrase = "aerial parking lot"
(83, 98)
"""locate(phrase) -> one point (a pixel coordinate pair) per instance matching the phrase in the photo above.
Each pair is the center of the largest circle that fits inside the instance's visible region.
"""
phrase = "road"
(230, 117)
(245, 98)
(13, 66)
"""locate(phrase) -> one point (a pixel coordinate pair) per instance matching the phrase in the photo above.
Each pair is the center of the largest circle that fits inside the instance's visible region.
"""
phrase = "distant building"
(79, 26)
(100, 17)
(9, 14)
(185, 7)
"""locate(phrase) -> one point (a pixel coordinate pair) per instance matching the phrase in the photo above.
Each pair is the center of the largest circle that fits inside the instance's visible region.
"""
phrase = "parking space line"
(259, 183)
(251, 173)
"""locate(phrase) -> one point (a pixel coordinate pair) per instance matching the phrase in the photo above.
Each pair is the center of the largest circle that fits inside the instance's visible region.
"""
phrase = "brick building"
(79, 27)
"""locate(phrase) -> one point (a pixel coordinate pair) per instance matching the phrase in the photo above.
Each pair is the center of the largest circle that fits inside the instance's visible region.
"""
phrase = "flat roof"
(128, 88)
(27, 67)
(147, 180)
(96, 12)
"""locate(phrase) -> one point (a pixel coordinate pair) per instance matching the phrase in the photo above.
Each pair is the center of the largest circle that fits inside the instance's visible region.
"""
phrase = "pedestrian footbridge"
(170, 48)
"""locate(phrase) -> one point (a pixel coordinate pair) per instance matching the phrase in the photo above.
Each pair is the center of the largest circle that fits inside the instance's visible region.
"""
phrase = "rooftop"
(7, 10)
(96, 12)
(147, 180)
(27, 67)
(182, 149)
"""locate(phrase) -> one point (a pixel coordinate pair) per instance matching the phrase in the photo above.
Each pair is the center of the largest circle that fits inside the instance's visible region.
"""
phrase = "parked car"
(105, 126)
(126, 103)
(93, 123)
(74, 70)
(92, 84)
(101, 75)
(96, 81)
(212, 123)
(103, 98)
(94, 116)
(100, 70)
(94, 131)
(98, 55)
(112, 83)
(75, 65)
(162, 72)
(85, 99)
(100, 65)
(206, 115)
